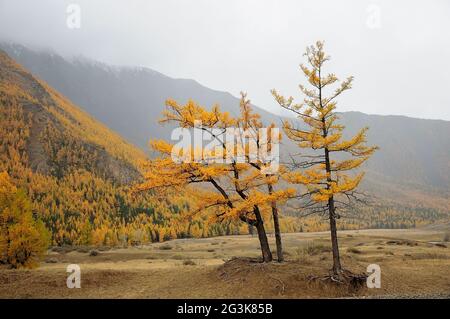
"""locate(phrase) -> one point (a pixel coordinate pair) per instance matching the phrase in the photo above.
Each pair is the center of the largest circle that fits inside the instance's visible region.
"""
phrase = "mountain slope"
(412, 165)
(53, 120)
(128, 100)
(413, 152)
(75, 170)
(77, 173)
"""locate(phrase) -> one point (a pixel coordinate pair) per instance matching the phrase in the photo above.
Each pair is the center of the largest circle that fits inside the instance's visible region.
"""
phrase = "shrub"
(354, 250)
(189, 262)
(51, 261)
(94, 253)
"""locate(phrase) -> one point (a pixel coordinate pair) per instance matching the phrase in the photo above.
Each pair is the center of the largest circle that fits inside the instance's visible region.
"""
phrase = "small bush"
(51, 260)
(94, 253)
(189, 262)
(211, 250)
(165, 247)
(402, 242)
(354, 250)
(446, 237)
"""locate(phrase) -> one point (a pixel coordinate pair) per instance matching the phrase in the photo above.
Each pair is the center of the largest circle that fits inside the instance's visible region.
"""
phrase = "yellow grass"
(411, 264)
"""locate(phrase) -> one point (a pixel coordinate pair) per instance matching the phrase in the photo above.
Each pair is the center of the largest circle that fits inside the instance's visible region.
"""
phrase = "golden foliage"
(323, 174)
(235, 188)
(23, 240)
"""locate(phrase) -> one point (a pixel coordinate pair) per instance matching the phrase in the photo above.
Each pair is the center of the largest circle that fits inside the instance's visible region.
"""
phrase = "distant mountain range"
(74, 169)
(412, 165)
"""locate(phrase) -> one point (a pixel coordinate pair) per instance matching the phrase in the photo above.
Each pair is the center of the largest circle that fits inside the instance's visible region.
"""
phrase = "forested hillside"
(77, 172)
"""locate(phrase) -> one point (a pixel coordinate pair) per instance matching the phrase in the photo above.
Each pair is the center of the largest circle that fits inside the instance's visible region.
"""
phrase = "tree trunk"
(337, 268)
(262, 236)
(276, 226)
(265, 249)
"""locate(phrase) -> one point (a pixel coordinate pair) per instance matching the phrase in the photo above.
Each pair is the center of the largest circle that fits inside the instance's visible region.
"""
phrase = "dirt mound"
(283, 279)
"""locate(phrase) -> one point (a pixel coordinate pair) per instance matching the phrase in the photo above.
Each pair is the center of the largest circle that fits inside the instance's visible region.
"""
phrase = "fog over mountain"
(393, 48)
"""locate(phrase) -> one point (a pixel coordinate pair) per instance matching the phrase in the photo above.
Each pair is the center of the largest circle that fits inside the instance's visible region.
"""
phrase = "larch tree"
(23, 239)
(250, 122)
(234, 191)
(327, 165)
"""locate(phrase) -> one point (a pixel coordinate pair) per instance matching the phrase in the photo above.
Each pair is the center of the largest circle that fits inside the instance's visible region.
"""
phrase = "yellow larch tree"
(231, 189)
(250, 122)
(23, 239)
(323, 168)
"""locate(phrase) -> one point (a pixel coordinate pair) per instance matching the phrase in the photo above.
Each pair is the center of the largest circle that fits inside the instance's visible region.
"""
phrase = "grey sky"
(400, 58)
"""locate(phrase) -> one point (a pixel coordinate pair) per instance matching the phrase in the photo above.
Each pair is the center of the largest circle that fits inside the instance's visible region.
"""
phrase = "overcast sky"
(398, 51)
